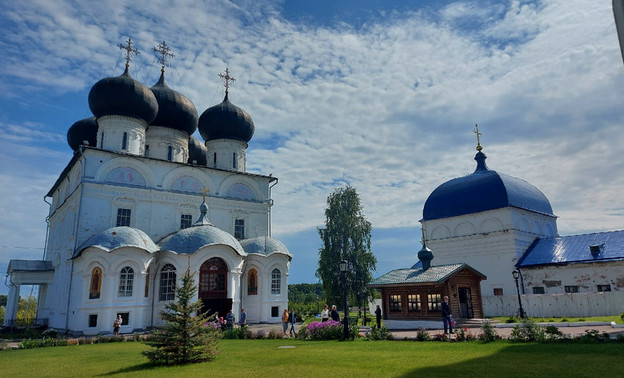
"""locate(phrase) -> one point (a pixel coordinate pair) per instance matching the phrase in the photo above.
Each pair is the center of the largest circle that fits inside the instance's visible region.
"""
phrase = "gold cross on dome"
(476, 131)
(129, 51)
(165, 52)
(227, 78)
(204, 190)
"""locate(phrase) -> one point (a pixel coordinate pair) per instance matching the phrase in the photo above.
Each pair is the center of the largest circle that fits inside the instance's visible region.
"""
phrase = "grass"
(614, 318)
(313, 359)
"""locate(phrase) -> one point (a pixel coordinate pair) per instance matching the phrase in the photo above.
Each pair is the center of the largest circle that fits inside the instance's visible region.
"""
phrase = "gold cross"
(476, 131)
(227, 79)
(204, 190)
(164, 51)
(129, 51)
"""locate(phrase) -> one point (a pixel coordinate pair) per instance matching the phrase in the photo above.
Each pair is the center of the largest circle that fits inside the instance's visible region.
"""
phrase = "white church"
(141, 201)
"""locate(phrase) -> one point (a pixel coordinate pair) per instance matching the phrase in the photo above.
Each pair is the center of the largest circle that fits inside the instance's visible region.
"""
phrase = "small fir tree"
(188, 335)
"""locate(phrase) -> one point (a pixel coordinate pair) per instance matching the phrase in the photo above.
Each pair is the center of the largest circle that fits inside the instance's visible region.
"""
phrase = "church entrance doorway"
(213, 279)
(465, 303)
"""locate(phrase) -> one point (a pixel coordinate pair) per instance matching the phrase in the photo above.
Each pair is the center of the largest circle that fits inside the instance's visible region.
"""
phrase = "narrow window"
(214, 159)
(167, 283)
(96, 283)
(538, 290)
(126, 282)
(276, 281)
(274, 312)
(252, 282)
(239, 229)
(433, 302)
(124, 141)
(498, 291)
(92, 320)
(123, 217)
(186, 220)
(413, 302)
(234, 160)
(604, 287)
(147, 150)
(147, 280)
(102, 140)
(571, 289)
(169, 153)
(395, 303)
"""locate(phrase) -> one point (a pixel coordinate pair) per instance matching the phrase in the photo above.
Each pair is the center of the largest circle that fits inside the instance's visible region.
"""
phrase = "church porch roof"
(433, 275)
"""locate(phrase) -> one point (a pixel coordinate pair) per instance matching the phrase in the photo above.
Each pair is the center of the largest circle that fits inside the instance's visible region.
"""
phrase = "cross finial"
(129, 51)
(204, 190)
(165, 52)
(476, 131)
(227, 78)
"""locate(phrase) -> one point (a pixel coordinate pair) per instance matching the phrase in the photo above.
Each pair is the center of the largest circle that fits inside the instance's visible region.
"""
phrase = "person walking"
(285, 321)
(325, 314)
(292, 319)
(117, 324)
(334, 314)
(378, 316)
(229, 320)
(243, 318)
(446, 316)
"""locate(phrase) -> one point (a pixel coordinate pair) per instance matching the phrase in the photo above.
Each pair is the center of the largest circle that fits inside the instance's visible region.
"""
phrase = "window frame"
(434, 302)
(394, 302)
(186, 221)
(276, 282)
(571, 289)
(167, 283)
(239, 228)
(539, 290)
(124, 217)
(126, 282)
(413, 305)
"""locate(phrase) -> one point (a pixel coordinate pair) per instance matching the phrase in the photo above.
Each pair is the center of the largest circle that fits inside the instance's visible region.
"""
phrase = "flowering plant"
(329, 330)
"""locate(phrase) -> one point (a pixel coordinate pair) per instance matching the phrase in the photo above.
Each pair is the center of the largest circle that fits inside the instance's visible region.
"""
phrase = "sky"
(382, 95)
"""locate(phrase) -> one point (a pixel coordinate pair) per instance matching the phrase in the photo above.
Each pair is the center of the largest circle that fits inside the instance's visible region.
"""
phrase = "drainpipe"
(271, 204)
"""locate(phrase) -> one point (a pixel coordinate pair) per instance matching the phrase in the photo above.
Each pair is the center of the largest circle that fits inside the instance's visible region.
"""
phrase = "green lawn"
(251, 358)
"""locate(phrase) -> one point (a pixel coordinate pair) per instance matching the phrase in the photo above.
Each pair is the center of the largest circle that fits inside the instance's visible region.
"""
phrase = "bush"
(511, 319)
(463, 334)
(379, 333)
(593, 336)
(422, 334)
(40, 343)
(329, 330)
(528, 331)
(553, 333)
(49, 333)
(488, 332)
(622, 316)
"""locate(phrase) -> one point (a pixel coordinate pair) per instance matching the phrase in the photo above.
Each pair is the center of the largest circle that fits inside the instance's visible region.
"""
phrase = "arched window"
(169, 153)
(126, 282)
(167, 283)
(96, 283)
(124, 141)
(276, 281)
(213, 279)
(252, 282)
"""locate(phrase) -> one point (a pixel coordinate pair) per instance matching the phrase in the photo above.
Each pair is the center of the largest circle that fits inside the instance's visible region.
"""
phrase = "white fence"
(557, 305)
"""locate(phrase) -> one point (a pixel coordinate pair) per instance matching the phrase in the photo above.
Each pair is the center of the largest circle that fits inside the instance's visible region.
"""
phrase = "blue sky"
(382, 95)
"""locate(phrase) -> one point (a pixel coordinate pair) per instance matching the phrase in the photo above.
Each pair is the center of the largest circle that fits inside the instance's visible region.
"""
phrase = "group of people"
(326, 314)
(289, 319)
(230, 319)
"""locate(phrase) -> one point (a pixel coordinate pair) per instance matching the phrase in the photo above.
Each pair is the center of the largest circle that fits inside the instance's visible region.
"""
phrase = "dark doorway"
(213, 278)
(465, 303)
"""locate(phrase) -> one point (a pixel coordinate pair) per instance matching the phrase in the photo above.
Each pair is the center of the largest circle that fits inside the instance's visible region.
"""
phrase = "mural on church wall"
(125, 175)
(96, 283)
(187, 184)
(240, 191)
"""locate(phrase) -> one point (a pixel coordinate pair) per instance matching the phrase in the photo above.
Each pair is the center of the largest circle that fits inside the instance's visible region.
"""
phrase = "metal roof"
(29, 266)
(481, 191)
(264, 245)
(434, 274)
(118, 237)
(606, 246)
(190, 240)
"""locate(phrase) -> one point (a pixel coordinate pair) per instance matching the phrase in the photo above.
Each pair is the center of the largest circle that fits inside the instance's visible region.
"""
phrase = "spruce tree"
(188, 335)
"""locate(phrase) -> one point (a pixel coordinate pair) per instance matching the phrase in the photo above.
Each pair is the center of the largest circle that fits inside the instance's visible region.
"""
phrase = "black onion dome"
(175, 111)
(197, 151)
(122, 95)
(85, 129)
(226, 121)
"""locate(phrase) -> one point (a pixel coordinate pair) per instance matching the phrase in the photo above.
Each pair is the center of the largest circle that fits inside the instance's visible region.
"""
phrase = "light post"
(343, 272)
(516, 275)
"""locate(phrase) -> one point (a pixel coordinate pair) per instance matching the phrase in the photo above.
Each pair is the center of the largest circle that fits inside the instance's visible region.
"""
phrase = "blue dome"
(175, 110)
(226, 121)
(190, 240)
(481, 191)
(122, 95)
(118, 237)
(85, 129)
(264, 245)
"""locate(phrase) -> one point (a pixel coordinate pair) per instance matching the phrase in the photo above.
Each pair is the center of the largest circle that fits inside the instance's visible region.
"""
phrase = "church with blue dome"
(480, 228)
(142, 200)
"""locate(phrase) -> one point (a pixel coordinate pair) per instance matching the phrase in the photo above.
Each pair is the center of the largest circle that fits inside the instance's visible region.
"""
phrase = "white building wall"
(111, 129)
(587, 277)
(557, 305)
(159, 139)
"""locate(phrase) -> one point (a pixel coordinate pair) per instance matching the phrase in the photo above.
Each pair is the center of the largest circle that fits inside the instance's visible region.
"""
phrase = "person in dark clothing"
(334, 314)
(378, 316)
(446, 315)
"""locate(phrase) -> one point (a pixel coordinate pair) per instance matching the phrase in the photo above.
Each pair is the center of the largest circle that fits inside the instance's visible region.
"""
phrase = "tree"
(188, 335)
(347, 235)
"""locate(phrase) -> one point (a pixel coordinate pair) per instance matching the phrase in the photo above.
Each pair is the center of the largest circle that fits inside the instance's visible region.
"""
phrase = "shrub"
(329, 330)
(49, 333)
(622, 316)
(40, 343)
(553, 333)
(463, 334)
(379, 333)
(528, 331)
(488, 333)
(260, 334)
(592, 336)
(511, 319)
(422, 334)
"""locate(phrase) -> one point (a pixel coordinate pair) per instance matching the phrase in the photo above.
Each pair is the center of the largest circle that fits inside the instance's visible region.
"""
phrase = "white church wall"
(226, 154)
(557, 305)
(584, 277)
(161, 139)
(111, 130)
(259, 307)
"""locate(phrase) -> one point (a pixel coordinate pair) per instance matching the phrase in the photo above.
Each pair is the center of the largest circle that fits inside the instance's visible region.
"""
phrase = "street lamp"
(516, 275)
(343, 272)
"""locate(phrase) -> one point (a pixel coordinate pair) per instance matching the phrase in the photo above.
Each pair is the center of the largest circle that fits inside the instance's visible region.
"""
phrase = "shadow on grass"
(132, 369)
(535, 360)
